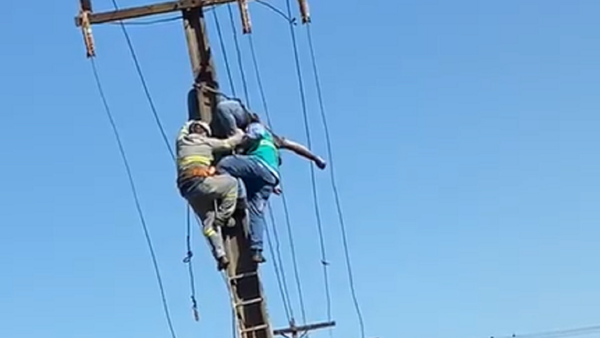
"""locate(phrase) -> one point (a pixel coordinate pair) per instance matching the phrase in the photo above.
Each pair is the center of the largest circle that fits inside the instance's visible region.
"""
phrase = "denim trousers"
(260, 183)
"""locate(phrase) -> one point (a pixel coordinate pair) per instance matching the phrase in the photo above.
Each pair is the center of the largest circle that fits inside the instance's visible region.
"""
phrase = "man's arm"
(300, 150)
(219, 145)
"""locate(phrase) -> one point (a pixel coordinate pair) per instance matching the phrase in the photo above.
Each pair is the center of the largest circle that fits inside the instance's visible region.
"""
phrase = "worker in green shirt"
(258, 168)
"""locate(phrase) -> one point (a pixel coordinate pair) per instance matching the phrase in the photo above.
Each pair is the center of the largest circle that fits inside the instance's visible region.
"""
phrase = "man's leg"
(260, 183)
(204, 196)
(204, 208)
(257, 201)
(224, 188)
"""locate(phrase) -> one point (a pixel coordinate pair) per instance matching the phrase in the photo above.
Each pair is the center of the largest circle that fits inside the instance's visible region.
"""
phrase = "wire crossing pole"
(244, 282)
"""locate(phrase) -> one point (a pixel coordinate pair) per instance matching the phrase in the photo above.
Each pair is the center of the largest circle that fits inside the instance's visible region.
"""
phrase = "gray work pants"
(203, 195)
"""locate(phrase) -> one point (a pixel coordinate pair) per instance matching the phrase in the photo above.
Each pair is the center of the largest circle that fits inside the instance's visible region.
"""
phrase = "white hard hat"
(202, 124)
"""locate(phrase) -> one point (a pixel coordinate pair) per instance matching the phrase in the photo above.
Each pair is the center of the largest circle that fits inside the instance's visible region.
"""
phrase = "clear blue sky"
(465, 135)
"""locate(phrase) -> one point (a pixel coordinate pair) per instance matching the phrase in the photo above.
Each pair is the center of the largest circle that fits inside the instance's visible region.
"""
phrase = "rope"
(324, 261)
(188, 260)
(238, 53)
(334, 182)
(224, 51)
(144, 84)
(283, 196)
(135, 197)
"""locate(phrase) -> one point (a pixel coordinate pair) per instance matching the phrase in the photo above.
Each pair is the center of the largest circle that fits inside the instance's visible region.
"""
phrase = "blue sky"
(465, 136)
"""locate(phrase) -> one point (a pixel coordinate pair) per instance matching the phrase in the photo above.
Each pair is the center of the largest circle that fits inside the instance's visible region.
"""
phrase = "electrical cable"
(144, 84)
(146, 22)
(277, 10)
(135, 197)
(324, 261)
(283, 196)
(238, 53)
(277, 265)
(332, 172)
(224, 51)
(557, 333)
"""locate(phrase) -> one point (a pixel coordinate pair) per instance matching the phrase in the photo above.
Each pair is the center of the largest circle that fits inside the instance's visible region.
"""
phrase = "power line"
(278, 267)
(557, 333)
(145, 85)
(283, 196)
(147, 22)
(238, 53)
(332, 171)
(224, 51)
(312, 169)
(136, 198)
(289, 18)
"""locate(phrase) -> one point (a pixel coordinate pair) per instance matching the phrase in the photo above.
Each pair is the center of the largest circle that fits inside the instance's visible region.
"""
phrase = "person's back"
(229, 115)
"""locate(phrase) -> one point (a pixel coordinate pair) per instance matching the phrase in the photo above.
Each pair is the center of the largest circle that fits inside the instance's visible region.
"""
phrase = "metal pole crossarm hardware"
(295, 330)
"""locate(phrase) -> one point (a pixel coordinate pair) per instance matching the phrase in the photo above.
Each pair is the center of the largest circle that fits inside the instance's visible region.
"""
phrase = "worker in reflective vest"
(213, 197)
(259, 170)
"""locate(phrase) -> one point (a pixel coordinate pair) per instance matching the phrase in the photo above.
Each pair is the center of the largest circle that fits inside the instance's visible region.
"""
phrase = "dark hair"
(254, 117)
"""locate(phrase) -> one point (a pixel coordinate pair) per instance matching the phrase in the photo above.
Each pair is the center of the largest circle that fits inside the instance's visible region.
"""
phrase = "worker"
(230, 114)
(213, 197)
(258, 168)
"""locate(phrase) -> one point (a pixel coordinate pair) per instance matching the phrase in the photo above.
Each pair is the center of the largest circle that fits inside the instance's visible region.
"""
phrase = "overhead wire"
(224, 51)
(188, 258)
(324, 261)
(333, 180)
(147, 22)
(289, 18)
(238, 53)
(144, 84)
(277, 266)
(283, 195)
(136, 199)
(557, 333)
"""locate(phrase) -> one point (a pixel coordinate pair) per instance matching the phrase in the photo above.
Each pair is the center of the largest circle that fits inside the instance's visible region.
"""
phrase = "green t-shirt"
(264, 149)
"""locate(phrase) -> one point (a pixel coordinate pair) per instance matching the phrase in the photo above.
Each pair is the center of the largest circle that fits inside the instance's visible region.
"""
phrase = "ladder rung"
(256, 328)
(248, 302)
(243, 275)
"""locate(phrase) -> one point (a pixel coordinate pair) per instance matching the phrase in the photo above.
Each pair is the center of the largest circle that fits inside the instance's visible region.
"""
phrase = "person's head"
(199, 127)
(254, 118)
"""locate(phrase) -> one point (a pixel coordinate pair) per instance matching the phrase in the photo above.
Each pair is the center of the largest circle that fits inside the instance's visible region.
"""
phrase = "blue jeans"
(228, 115)
(259, 182)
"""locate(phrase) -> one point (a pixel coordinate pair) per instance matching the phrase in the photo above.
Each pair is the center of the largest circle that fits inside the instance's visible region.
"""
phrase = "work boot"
(258, 257)
(222, 263)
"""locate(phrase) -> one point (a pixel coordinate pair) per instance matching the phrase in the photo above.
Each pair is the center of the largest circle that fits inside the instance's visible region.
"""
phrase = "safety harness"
(199, 167)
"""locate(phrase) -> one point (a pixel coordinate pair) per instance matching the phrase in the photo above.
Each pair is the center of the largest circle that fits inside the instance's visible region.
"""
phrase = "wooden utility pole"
(244, 280)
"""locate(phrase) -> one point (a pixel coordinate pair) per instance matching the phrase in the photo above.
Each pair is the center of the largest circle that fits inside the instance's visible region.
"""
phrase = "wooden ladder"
(245, 287)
